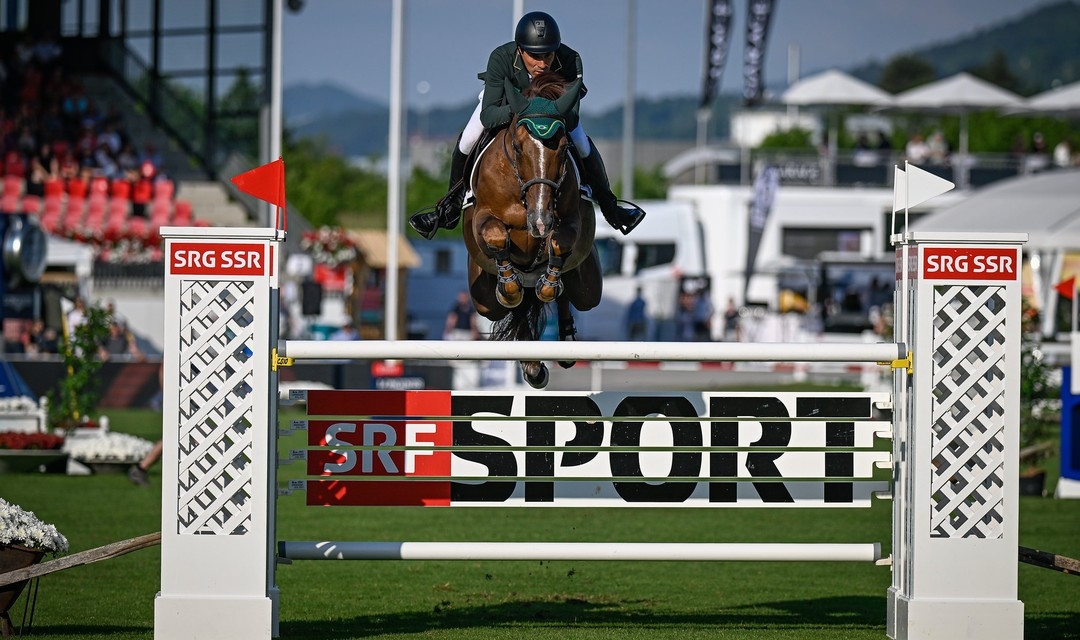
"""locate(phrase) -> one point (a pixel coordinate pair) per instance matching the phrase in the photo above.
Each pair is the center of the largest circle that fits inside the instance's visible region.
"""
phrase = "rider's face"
(537, 62)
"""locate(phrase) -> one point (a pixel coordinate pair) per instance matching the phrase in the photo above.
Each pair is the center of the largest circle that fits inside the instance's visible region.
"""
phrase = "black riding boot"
(447, 212)
(623, 218)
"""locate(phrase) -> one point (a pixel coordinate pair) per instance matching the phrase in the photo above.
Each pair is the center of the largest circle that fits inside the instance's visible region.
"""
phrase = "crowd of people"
(40, 340)
(50, 129)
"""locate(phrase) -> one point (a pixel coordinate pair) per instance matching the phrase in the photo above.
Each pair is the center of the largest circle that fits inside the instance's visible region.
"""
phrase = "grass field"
(537, 600)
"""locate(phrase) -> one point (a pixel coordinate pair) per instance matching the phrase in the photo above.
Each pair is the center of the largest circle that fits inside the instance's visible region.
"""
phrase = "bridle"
(512, 157)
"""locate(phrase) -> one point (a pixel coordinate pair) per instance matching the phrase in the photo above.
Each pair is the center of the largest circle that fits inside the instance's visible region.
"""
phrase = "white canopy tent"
(1045, 206)
(1064, 100)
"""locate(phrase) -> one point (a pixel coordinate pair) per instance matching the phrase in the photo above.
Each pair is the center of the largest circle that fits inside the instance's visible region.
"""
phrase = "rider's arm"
(495, 108)
(570, 101)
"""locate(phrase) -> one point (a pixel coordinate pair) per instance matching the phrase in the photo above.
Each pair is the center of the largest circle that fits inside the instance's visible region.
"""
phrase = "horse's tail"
(525, 322)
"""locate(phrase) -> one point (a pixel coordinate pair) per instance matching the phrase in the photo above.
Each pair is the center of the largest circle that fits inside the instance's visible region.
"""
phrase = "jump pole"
(955, 445)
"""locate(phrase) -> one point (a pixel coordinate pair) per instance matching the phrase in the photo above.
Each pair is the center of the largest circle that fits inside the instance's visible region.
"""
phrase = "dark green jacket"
(506, 77)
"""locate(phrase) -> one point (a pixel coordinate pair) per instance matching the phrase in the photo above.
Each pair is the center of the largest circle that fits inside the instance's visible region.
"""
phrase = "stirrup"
(626, 228)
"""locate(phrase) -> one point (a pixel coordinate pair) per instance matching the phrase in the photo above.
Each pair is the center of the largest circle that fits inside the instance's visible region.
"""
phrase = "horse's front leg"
(550, 285)
(496, 243)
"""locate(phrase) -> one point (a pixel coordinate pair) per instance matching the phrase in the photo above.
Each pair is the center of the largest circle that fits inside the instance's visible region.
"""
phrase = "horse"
(530, 228)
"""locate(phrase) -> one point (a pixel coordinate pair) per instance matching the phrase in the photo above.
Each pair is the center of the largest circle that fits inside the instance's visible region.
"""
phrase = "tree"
(238, 109)
(904, 72)
(996, 71)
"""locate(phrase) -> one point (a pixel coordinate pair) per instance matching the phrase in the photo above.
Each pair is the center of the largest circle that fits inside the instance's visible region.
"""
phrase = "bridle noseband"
(526, 184)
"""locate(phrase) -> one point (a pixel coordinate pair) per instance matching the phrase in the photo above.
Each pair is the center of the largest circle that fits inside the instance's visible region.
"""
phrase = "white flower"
(112, 447)
(18, 526)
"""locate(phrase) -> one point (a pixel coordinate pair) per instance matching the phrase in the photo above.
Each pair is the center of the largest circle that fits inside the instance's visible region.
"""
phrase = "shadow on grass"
(1052, 625)
(855, 612)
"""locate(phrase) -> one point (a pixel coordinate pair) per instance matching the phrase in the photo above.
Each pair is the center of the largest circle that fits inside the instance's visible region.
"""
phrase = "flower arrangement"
(330, 246)
(20, 440)
(21, 527)
(112, 447)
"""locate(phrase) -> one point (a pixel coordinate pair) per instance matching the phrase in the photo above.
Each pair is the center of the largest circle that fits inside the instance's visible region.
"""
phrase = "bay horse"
(530, 229)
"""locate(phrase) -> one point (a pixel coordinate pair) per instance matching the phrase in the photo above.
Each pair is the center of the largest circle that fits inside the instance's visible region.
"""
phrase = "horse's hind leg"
(567, 330)
(535, 373)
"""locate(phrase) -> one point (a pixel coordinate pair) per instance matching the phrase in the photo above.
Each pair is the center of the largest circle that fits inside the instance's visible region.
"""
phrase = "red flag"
(1067, 288)
(265, 183)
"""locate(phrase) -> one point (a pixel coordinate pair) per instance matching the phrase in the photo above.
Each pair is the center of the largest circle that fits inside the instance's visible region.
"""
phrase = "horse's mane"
(548, 84)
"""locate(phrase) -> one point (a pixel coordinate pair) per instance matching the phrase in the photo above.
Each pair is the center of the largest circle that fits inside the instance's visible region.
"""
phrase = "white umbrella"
(959, 94)
(835, 88)
(1063, 100)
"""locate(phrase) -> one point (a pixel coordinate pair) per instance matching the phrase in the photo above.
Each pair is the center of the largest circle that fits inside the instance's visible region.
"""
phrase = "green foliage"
(1036, 387)
(790, 139)
(905, 72)
(77, 394)
(322, 185)
(996, 71)
(238, 111)
(648, 185)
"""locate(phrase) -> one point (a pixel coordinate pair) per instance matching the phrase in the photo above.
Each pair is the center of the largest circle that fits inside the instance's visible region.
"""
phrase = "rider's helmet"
(537, 32)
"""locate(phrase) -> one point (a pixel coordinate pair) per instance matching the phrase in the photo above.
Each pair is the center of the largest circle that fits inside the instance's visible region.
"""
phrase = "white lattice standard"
(219, 447)
(956, 442)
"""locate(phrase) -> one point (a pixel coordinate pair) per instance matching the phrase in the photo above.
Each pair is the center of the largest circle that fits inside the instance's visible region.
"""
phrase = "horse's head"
(540, 142)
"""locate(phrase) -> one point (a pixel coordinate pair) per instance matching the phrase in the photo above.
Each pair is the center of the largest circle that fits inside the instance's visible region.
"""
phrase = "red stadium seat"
(121, 189)
(12, 185)
(182, 215)
(54, 187)
(164, 189)
(31, 204)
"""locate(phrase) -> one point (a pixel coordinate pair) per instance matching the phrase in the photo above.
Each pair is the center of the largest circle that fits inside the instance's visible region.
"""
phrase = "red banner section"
(217, 259)
(976, 263)
(379, 432)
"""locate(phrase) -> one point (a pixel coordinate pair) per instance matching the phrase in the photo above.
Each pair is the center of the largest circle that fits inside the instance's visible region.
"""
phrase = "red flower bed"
(16, 440)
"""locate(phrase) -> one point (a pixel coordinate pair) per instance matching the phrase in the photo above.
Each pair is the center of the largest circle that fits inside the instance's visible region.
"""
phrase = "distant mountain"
(305, 103)
(1040, 48)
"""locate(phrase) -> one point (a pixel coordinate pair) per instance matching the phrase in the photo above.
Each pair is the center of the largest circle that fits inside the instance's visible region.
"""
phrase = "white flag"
(913, 186)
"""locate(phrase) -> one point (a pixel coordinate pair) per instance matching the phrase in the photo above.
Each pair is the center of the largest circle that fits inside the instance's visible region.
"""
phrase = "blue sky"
(447, 42)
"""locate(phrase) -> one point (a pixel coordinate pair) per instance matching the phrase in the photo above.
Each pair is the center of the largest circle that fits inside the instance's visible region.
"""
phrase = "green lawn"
(559, 600)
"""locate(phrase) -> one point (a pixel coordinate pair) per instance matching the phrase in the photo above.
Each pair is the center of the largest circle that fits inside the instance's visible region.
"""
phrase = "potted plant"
(24, 541)
(77, 394)
(1037, 419)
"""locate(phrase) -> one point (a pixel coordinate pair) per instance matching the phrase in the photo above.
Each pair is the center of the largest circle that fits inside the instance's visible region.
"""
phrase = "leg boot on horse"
(447, 212)
(623, 217)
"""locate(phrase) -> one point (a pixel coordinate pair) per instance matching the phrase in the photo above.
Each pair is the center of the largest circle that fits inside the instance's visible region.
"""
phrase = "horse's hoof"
(566, 364)
(540, 379)
(547, 292)
(509, 302)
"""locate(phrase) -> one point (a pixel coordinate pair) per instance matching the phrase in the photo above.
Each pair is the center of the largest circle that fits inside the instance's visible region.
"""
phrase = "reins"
(526, 184)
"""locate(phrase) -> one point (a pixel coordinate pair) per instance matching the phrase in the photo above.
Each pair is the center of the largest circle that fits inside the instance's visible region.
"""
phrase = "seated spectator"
(43, 166)
(142, 192)
(43, 340)
(1063, 156)
(14, 165)
(120, 344)
(938, 148)
(916, 150)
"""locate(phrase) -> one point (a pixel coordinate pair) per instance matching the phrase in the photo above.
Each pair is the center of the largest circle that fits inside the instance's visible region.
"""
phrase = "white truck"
(663, 254)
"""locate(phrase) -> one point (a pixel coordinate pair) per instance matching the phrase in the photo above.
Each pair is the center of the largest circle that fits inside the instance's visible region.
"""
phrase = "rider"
(537, 47)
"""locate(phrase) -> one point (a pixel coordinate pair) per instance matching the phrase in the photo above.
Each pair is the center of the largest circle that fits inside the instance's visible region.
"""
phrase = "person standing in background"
(461, 320)
(637, 319)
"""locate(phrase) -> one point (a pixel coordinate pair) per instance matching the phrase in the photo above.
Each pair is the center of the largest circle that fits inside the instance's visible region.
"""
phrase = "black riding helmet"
(537, 32)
